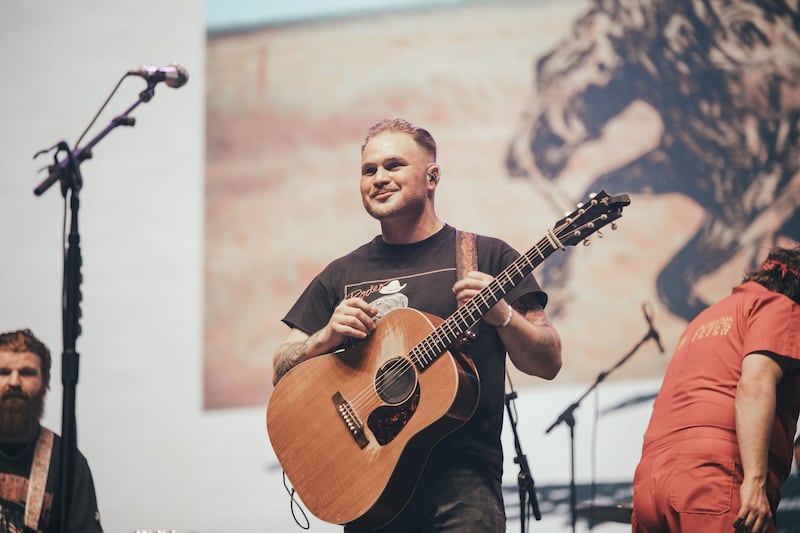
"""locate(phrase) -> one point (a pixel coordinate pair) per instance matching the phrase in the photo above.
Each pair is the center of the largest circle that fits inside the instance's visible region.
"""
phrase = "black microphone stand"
(67, 172)
(527, 488)
(567, 417)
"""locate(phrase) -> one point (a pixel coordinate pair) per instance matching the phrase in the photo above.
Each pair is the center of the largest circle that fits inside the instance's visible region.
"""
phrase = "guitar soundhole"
(395, 381)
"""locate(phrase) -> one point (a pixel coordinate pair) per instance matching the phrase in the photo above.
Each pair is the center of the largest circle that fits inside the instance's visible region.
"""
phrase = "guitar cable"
(294, 505)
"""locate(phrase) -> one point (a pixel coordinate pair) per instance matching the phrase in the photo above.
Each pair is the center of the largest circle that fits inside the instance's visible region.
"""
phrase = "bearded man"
(29, 452)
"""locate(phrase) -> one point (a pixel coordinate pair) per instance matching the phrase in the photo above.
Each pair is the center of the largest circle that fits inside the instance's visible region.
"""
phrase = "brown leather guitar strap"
(38, 478)
(466, 260)
(466, 253)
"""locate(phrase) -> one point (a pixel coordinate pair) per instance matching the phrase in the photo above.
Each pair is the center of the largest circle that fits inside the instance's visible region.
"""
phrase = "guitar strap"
(466, 253)
(38, 478)
(466, 260)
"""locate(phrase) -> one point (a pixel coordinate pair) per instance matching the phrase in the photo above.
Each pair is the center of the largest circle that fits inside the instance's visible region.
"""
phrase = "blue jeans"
(456, 500)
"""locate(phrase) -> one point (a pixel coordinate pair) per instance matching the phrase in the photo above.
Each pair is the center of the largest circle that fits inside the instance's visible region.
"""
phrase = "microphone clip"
(652, 333)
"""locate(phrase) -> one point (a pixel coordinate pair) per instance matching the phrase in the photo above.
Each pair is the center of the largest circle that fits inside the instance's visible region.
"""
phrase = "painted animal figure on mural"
(713, 85)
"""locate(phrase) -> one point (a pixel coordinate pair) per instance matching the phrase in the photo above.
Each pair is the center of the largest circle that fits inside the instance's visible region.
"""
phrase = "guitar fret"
(481, 300)
(519, 271)
(491, 290)
(428, 355)
(536, 248)
(458, 316)
(451, 335)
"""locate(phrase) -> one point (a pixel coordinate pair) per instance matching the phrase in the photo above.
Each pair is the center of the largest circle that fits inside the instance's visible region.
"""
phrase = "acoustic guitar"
(352, 429)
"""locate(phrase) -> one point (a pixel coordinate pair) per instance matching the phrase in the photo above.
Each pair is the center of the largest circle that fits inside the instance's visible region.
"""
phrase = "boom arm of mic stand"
(58, 169)
(567, 417)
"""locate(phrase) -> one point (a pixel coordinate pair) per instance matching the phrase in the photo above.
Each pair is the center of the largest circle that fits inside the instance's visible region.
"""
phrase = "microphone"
(173, 75)
(648, 315)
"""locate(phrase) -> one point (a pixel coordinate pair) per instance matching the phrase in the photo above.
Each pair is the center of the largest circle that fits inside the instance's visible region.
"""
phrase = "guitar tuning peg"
(613, 226)
(599, 234)
(587, 242)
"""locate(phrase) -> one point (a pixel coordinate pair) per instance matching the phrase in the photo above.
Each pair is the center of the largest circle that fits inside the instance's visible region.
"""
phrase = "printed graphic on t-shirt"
(13, 495)
(712, 328)
(13, 492)
(411, 291)
(12, 519)
(391, 298)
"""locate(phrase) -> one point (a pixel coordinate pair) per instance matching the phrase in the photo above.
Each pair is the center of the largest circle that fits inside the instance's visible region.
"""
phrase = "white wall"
(159, 460)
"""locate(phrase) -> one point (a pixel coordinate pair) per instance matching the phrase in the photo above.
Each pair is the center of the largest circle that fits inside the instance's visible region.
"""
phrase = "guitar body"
(353, 429)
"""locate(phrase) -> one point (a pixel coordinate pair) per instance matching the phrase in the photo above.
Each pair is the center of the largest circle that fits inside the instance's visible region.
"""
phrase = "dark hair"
(780, 272)
(399, 125)
(24, 340)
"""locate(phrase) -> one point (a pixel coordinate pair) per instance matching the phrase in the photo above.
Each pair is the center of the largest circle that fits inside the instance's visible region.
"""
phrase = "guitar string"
(402, 364)
(431, 343)
(433, 340)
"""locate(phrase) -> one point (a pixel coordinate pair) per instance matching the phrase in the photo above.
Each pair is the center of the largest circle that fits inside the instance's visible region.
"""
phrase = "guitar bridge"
(350, 419)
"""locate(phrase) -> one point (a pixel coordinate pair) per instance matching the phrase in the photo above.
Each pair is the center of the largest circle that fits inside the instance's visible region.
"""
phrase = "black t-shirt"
(14, 473)
(420, 276)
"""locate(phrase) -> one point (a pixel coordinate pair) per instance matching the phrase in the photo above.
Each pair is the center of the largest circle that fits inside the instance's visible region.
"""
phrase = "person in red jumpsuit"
(720, 439)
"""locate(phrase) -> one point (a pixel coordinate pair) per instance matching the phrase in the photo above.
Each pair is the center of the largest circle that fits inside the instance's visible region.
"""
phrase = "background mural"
(698, 99)
(690, 107)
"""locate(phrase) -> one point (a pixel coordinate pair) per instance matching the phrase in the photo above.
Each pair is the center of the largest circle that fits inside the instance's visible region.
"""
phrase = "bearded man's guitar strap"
(38, 478)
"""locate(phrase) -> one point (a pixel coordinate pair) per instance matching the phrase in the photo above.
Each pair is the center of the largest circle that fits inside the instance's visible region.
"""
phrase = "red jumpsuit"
(689, 475)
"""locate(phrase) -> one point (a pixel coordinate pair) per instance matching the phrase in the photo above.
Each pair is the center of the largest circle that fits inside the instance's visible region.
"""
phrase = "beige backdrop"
(287, 110)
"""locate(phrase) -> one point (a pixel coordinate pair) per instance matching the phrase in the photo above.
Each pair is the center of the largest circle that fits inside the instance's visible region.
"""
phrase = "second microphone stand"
(527, 488)
(568, 418)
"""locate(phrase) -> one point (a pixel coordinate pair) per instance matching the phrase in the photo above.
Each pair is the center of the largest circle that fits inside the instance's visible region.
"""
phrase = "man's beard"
(409, 207)
(20, 415)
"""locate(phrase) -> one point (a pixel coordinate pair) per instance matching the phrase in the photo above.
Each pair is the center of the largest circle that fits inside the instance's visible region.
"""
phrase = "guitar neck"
(466, 316)
(599, 211)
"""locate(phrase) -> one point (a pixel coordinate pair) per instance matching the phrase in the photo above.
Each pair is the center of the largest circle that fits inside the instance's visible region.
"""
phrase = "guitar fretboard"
(449, 331)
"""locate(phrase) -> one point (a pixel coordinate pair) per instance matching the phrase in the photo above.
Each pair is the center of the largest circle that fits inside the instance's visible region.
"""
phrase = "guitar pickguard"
(388, 421)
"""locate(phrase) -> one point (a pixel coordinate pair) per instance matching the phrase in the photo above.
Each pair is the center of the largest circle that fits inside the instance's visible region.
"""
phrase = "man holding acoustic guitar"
(384, 425)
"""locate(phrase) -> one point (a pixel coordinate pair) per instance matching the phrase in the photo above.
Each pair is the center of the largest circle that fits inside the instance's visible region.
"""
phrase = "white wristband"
(507, 321)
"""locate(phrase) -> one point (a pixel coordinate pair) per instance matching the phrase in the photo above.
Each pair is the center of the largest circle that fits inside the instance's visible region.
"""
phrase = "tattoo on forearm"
(536, 316)
(288, 356)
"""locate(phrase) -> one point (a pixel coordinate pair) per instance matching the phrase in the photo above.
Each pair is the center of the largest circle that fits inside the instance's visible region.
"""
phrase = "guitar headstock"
(599, 210)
